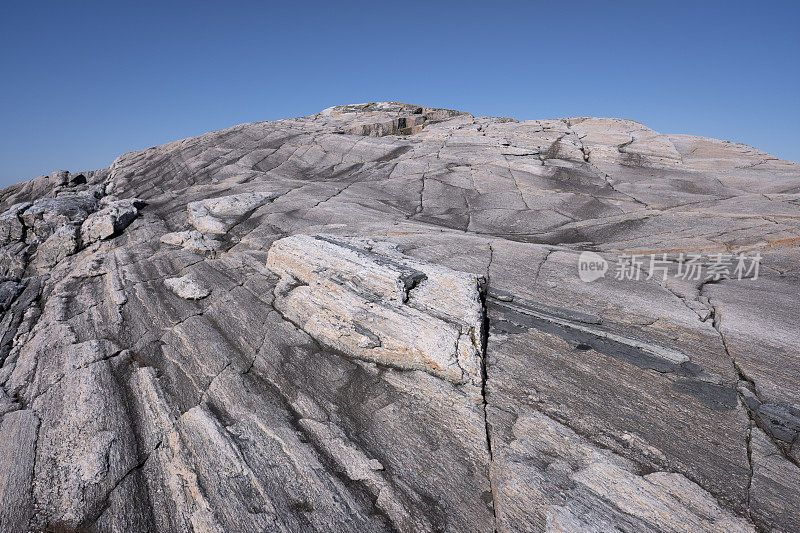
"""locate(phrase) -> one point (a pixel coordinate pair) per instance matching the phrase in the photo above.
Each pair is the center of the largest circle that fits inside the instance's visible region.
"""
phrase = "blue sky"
(83, 82)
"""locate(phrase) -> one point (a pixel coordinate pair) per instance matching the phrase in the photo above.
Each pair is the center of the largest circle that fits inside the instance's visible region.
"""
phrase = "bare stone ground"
(417, 351)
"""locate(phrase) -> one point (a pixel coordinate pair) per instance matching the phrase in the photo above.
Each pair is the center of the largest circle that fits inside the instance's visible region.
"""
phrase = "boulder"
(187, 288)
(63, 242)
(11, 227)
(191, 240)
(380, 308)
(109, 221)
(218, 215)
(46, 215)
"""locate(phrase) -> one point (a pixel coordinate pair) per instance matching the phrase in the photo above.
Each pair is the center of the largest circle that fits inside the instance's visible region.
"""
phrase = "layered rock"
(381, 307)
(218, 215)
(186, 287)
(47, 230)
(371, 319)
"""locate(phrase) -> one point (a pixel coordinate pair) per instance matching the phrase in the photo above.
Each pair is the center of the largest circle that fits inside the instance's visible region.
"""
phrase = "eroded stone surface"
(218, 215)
(64, 242)
(381, 308)
(191, 240)
(37, 235)
(186, 287)
(110, 220)
(550, 478)
(332, 379)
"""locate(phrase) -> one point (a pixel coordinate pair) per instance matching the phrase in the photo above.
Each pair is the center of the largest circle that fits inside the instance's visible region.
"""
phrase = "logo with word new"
(591, 266)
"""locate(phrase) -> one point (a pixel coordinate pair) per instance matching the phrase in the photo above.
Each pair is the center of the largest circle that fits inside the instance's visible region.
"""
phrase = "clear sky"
(82, 82)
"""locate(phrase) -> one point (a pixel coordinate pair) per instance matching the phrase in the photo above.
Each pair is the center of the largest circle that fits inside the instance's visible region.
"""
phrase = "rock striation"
(372, 319)
(381, 307)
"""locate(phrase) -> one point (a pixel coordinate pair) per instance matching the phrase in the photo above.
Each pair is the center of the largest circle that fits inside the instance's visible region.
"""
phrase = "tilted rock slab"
(186, 287)
(218, 215)
(381, 307)
(110, 220)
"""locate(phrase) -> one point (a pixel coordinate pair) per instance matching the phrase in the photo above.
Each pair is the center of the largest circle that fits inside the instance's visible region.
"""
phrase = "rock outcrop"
(381, 307)
(372, 319)
(186, 287)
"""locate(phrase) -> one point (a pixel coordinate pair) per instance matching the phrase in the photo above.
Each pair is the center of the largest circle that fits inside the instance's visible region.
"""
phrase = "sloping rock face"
(373, 319)
(381, 307)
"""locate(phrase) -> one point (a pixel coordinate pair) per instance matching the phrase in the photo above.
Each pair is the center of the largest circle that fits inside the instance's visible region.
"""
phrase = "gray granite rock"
(109, 221)
(64, 242)
(18, 436)
(218, 215)
(381, 308)
(12, 229)
(372, 319)
(191, 240)
(46, 215)
(186, 287)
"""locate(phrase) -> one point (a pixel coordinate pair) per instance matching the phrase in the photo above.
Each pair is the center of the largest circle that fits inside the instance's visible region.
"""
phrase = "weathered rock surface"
(64, 242)
(381, 308)
(371, 319)
(218, 215)
(110, 220)
(191, 240)
(186, 287)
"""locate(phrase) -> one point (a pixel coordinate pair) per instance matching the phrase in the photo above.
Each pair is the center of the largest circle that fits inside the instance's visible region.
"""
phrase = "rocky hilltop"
(374, 319)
